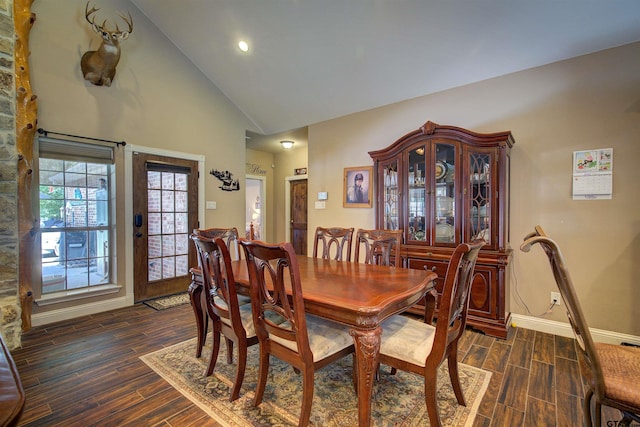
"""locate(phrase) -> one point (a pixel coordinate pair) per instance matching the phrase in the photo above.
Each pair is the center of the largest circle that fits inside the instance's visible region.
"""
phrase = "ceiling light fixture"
(286, 144)
(243, 46)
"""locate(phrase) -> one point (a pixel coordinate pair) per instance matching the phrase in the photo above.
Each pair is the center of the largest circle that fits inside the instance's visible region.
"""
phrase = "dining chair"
(612, 372)
(304, 341)
(228, 317)
(417, 346)
(230, 236)
(379, 247)
(335, 242)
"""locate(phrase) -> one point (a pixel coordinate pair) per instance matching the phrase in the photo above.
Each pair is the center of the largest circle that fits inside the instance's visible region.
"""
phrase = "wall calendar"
(593, 174)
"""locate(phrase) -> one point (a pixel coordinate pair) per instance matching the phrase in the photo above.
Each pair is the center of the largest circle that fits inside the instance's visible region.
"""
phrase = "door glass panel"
(445, 163)
(168, 204)
(182, 222)
(480, 183)
(182, 244)
(155, 269)
(182, 204)
(168, 224)
(153, 180)
(153, 200)
(154, 223)
(417, 194)
(155, 246)
(182, 262)
(168, 245)
(390, 196)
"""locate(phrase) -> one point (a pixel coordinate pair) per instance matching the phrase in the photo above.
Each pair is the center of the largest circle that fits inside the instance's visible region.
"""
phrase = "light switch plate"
(211, 205)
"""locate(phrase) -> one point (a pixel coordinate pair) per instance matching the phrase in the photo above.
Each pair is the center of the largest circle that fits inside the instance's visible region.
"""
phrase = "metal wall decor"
(228, 183)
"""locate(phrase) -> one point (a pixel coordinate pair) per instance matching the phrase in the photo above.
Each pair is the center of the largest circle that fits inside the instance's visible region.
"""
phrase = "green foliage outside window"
(51, 202)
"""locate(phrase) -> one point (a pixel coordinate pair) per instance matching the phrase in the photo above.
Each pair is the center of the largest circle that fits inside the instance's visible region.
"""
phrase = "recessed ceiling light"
(243, 46)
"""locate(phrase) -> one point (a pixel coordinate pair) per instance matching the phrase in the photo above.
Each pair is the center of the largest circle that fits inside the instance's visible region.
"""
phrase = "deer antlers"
(103, 30)
(99, 66)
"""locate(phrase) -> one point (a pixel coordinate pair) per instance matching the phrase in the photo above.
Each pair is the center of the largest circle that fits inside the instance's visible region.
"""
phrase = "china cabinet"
(443, 185)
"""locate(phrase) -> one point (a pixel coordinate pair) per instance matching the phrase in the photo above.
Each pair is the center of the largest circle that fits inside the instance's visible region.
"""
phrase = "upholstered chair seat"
(620, 371)
(397, 331)
(245, 317)
(325, 337)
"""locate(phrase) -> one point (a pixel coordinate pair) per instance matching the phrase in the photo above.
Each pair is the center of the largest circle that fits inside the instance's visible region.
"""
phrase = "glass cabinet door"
(480, 175)
(417, 194)
(445, 192)
(391, 195)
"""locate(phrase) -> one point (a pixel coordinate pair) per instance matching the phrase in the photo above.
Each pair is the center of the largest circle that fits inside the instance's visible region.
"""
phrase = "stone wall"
(10, 313)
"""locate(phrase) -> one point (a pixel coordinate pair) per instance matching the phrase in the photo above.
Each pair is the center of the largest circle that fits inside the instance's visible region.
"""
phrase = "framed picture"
(358, 187)
(300, 171)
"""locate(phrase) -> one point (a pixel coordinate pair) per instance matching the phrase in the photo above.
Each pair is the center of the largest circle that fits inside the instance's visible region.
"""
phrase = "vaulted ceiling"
(314, 60)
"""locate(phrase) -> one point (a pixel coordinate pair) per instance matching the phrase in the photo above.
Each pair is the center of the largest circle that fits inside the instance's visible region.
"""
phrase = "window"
(75, 221)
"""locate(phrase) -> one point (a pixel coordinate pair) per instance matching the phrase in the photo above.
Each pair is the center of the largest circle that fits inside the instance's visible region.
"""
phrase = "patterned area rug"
(163, 303)
(398, 399)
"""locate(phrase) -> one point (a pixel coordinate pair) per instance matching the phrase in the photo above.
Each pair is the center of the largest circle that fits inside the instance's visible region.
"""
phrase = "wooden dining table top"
(353, 293)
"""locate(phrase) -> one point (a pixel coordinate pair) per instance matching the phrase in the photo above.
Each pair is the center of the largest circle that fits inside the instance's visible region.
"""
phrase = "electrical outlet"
(555, 296)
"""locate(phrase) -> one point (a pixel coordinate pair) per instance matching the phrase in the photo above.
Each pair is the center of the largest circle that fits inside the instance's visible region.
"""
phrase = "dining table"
(360, 296)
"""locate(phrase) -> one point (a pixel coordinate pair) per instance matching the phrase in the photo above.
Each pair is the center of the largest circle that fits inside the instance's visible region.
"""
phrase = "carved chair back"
(229, 235)
(335, 243)
(454, 301)
(381, 247)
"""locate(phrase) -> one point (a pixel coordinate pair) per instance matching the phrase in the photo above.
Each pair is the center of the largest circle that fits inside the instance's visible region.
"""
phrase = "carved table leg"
(367, 343)
(195, 295)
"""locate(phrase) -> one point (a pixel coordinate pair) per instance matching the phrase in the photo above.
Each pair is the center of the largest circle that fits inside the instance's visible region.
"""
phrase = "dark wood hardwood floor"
(88, 372)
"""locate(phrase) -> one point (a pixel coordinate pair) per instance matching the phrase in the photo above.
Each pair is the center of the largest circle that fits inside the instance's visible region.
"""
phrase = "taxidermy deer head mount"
(99, 66)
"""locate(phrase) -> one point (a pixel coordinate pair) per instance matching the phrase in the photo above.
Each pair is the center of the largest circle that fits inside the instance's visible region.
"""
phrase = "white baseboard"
(52, 316)
(564, 330)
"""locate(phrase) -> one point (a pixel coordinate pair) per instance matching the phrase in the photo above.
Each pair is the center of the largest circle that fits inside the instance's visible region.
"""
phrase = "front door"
(299, 216)
(165, 211)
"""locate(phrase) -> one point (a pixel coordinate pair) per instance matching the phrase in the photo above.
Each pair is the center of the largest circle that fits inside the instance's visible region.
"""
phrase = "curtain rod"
(47, 132)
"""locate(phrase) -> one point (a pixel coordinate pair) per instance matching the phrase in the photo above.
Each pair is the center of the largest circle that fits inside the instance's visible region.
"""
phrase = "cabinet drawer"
(438, 267)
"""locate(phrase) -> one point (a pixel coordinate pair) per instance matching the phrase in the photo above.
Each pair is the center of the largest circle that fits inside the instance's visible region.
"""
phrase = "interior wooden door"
(299, 216)
(165, 211)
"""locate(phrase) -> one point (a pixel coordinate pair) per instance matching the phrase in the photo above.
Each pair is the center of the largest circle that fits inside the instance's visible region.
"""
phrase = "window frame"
(69, 150)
